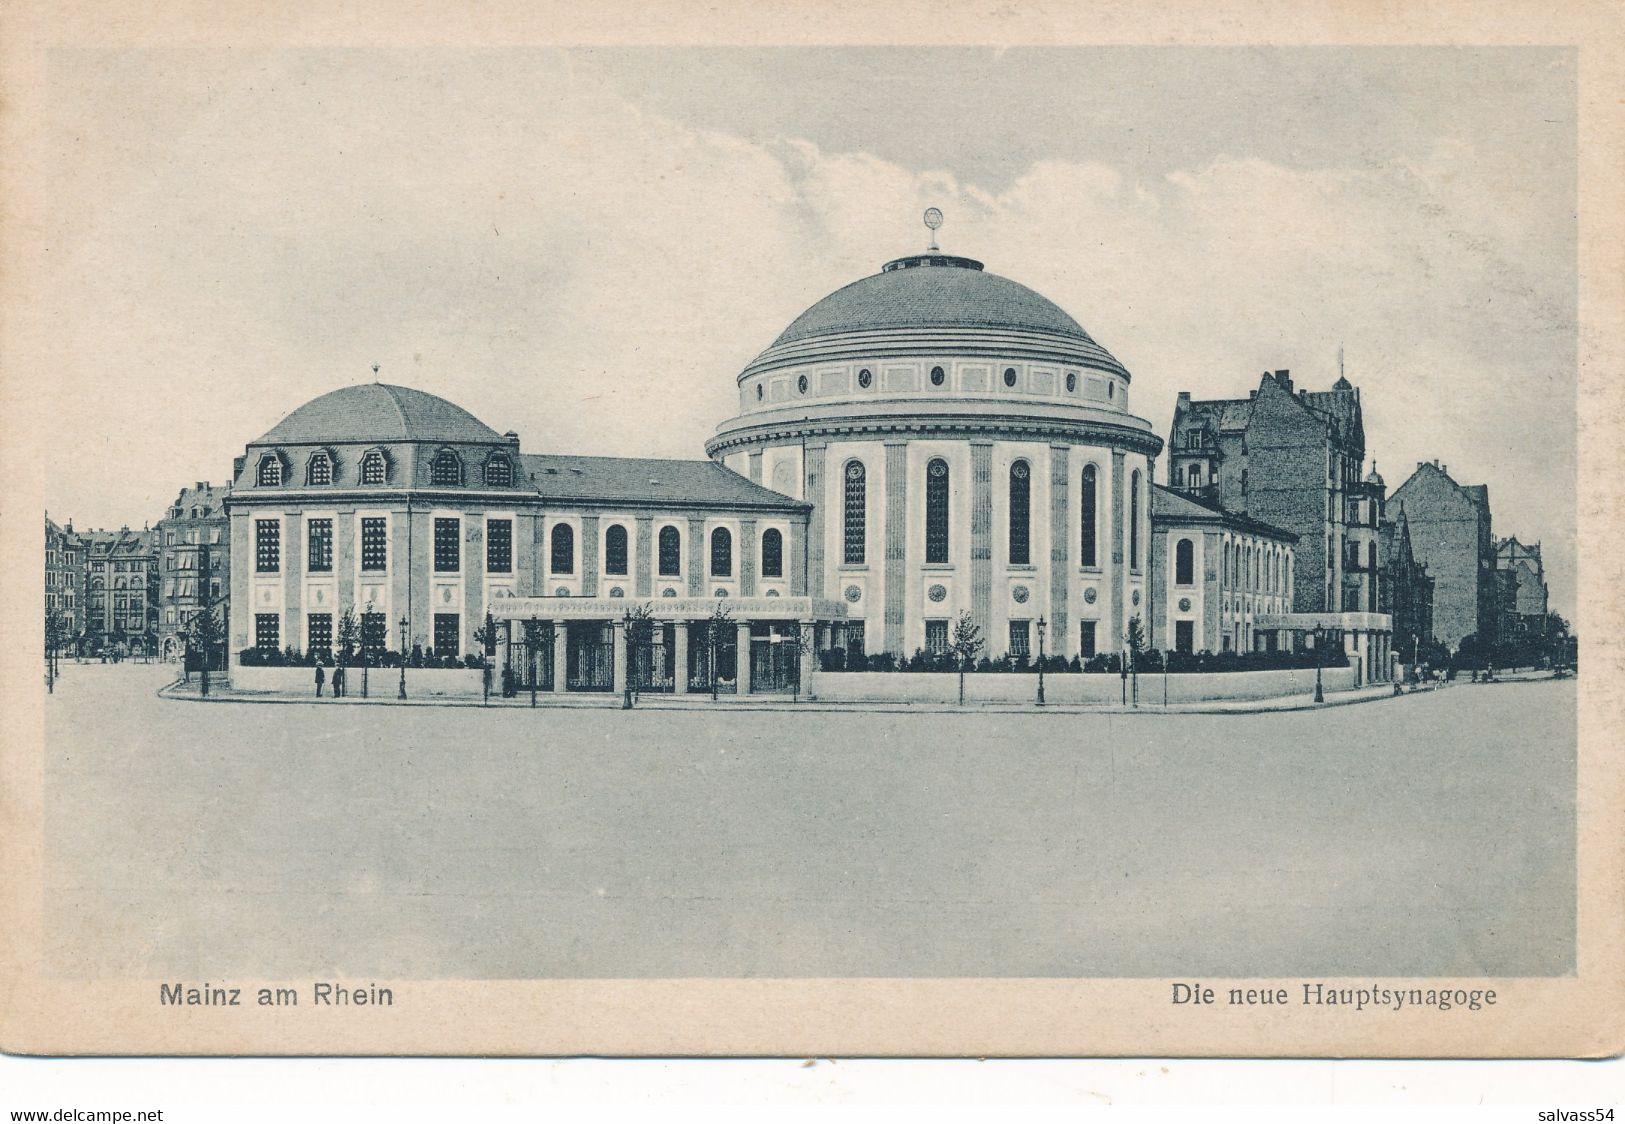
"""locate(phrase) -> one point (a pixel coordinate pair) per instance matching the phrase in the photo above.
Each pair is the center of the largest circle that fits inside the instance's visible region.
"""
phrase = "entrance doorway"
(590, 650)
(775, 658)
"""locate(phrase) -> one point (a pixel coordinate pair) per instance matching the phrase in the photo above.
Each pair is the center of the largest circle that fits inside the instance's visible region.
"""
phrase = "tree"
(639, 624)
(1134, 639)
(205, 633)
(486, 637)
(533, 644)
(56, 635)
(715, 629)
(349, 635)
(966, 643)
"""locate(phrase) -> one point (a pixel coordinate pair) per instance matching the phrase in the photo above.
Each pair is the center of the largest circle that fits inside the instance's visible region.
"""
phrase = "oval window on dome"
(1071, 381)
(865, 378)
(1009, 376)
(801, 385)
(938, 376)
(758, 392)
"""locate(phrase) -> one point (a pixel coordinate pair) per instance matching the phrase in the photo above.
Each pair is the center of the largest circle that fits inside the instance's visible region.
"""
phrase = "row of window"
(936, 637)
(854, 511)
(446, 470)
(499, 548)
(939, 377)
(374, 637)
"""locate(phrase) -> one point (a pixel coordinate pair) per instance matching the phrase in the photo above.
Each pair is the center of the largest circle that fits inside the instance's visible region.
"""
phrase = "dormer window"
(499, 472)
(320, 469)
(446, 469)
(372, 468)
(270, 471)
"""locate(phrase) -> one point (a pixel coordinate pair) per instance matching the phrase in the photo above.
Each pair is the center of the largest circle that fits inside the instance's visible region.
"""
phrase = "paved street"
(1429, 834)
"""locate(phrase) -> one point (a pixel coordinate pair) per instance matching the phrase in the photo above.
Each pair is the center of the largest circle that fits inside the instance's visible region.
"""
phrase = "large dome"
(378, 412)
(917, 292)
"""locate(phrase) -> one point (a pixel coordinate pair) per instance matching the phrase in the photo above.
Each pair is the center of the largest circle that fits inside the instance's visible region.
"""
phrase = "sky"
(586, 246)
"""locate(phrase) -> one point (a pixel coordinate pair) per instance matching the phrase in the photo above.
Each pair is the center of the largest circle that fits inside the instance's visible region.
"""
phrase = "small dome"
(1372, 477)
(378, 412)
(934, 292)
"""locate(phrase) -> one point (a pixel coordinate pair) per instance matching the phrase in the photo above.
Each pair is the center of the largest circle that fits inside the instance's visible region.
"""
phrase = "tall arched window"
(372, 468)
(1185, 563)
(615, 549)
(1021, 489)
(936, 511)
(1193, 476)
(270, 471)
(446, 469)
(564, 549)
(1224, 567)
(722, 553)
(671, 551)
(1087, 515)
(499, 472)
(319, 471)
(854, 513)
(1134, 521)
(772, 553)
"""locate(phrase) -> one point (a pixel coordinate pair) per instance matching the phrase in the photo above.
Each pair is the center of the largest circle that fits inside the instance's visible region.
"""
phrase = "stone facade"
(1292, 459)
(1524, 594)
(966, 448)
(1450, 534)
(1216, 573)
(1407, 589)
(121, 591)
(65, 570)
(194, 563)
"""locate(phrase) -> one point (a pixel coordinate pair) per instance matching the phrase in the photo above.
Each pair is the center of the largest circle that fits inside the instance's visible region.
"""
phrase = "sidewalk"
(547, 700)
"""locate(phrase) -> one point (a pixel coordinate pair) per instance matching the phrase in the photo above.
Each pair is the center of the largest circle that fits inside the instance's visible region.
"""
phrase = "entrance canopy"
(667, 608)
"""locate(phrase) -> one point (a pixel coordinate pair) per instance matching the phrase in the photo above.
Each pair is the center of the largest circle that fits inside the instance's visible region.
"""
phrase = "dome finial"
(933, 219)
(375, 372)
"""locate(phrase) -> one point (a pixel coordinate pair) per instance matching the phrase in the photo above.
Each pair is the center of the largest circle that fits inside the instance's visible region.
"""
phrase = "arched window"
(499, 472)
(1134, 521)
(722, 553)
(1087, 516)
(270, 471)
(1193, 476)
(1185, 563)
(564, 549)
(671, 551)
(854, 512)
(615, 549)
(772, 553)
(318, 472)
(1021, 488)
(1224, 567)
(446, 469)
(936, 511)
(372, 468)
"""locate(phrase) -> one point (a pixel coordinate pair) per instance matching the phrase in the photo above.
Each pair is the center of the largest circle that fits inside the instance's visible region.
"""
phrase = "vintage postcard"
(802, 530)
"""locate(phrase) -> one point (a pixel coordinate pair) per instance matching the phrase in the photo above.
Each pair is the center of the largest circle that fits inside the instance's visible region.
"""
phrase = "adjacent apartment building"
(1449, 526)
(194, 562)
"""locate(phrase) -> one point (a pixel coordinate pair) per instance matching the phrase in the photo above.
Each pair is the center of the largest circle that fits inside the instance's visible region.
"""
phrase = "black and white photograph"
(754, 548)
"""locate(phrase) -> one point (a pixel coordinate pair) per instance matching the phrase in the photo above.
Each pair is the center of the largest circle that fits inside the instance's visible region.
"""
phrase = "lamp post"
(403, 657)
(1320, 637)
(1043, 626)
(626, 630)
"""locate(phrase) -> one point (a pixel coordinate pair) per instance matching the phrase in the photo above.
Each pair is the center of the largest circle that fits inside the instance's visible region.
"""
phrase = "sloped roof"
(376, 412)
(1170, 505)
(641, 480)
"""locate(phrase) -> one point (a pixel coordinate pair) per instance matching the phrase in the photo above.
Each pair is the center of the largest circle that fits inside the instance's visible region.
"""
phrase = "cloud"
(517, 236)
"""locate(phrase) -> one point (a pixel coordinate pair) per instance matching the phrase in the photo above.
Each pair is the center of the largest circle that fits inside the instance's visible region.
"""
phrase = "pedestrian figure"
(338, 682)
(321, 677)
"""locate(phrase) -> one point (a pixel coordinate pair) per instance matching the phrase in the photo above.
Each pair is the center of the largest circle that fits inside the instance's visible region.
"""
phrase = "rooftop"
(377, 412)
(641, 480)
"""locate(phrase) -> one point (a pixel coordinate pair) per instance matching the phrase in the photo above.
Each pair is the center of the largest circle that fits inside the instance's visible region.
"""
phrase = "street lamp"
(1043, 626)
(1320, 637)
(626, 630)
(403, 656)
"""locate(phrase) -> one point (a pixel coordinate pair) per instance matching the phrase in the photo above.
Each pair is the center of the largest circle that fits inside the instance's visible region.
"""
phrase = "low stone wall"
(1071, 687)
(421, 682)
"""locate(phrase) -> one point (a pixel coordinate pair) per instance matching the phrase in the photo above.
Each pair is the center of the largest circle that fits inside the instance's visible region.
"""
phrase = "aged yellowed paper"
(760, 530)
